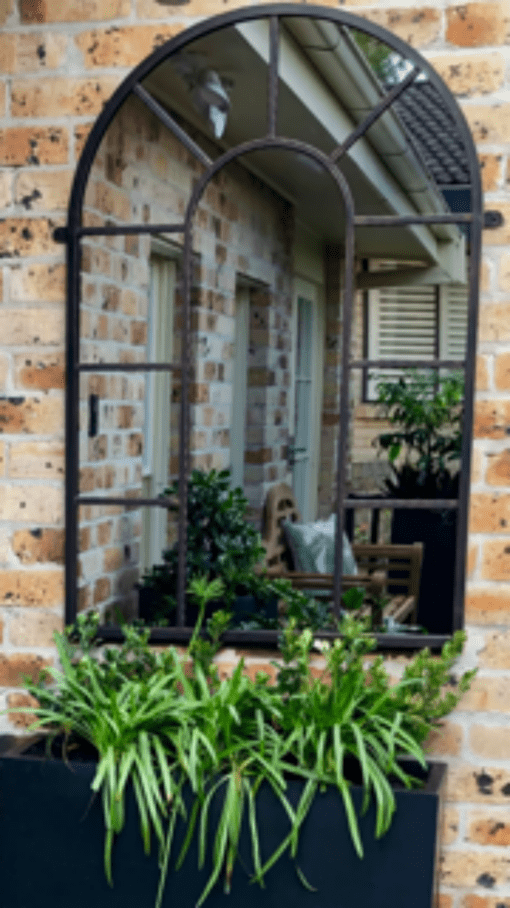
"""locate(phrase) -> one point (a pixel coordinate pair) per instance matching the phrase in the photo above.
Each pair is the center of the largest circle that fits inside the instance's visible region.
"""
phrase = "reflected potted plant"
(222, 543)
(300, 783)
(423, 447)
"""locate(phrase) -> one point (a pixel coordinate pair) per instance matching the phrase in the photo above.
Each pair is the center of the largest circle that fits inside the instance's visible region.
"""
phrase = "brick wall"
(143, 174)
(59, 61)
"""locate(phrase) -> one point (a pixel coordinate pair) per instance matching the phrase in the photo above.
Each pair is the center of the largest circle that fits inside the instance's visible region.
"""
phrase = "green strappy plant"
(170, 728)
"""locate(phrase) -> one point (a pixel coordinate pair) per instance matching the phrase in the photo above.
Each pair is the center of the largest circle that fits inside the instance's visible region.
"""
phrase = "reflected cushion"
(312, 546)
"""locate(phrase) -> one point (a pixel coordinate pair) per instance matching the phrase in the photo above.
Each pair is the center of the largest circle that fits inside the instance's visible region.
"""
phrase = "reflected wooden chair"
(389, 573)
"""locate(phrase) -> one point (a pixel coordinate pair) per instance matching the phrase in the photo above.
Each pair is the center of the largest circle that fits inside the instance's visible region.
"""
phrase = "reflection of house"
(401, 316)
(267, 277)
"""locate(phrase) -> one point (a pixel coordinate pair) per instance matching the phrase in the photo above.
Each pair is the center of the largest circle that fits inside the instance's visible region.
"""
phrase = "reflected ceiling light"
(211, 100)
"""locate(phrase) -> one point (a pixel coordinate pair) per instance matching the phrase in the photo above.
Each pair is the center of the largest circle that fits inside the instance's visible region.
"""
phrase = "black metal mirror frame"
(74, 231)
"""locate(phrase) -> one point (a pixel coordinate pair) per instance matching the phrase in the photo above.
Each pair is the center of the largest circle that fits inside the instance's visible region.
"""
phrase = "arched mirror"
(273, 240)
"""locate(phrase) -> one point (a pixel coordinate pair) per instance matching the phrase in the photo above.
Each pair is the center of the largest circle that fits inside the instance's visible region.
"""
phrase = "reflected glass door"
(307, 398)
(157, 407)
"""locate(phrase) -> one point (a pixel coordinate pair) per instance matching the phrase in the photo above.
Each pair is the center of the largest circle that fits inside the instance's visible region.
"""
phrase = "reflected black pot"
(47, 814)
(438, 532)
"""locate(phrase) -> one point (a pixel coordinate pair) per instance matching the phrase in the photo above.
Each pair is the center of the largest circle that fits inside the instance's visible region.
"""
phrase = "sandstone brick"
(496, 652)
(450, 825)
(36, 460)
(123, 46)
(502, 372)
(487, 606)
(498, 468)
(487, 695)
(102, 590)
(496, 560)
(490, 742)
(443, 900)
(445, 740)
(494, 322)
(488, 122)
(489, 513)
(81, 134)
(6, 8)
(31, 327)
(42, 416)
(27, 236)
(482, 373)
(479, 901)
(476, 784)
(17, 701)
(478, 24)
(500, 236)
(4, 371)
(38, 283)
(504, 272)
(40, 373)
(31, 588)
(492, 829)
(491, 170)
(112, 559)
(34, 628)
(151, 9)
(418, 26)
(14, 669)
(470, 75)
(31, 504)
(42, 191)
(113, 201)
(33, 145)
(39, 545)
(61, 96)
(6, 193)
(32, 52)
(32, 11)
(492, 419)
(461, 869)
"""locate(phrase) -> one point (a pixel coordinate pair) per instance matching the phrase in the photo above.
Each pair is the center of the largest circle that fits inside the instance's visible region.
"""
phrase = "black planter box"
(438, 532)
(52, 835)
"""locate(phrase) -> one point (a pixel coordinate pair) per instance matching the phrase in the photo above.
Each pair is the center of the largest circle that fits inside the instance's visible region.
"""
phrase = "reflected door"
(239, 386)
(156, 455)
(307, 397)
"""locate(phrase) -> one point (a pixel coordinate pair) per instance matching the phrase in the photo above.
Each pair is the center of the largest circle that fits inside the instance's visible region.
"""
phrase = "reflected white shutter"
(453, 321)
(402, 324)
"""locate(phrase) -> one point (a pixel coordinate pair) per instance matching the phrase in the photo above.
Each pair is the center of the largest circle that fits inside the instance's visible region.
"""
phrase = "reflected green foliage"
(165, 724)
(222, 543)
(387, 65)
(424, 444)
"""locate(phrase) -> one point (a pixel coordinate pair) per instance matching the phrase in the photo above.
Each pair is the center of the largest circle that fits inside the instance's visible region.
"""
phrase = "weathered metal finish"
(406, 220)
(129, 229)
(129, 367)
(170, 124)
(426, 504)
(272, 99)
(74, 230)
(402, 363)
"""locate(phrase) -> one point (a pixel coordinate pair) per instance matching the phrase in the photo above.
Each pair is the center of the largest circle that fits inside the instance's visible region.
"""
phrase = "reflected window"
(158, 410)
(424, 322)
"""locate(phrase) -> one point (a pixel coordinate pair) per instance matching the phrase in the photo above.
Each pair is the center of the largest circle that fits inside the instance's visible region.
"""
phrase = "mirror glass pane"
(268, 274)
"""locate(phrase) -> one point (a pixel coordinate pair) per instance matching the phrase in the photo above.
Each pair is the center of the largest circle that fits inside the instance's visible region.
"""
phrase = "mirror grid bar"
(374, 115)
(170, 123)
